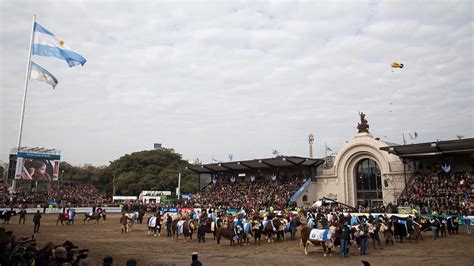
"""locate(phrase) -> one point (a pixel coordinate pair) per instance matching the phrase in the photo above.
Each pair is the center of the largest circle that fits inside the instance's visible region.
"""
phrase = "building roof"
(250, 165)
(459, 146)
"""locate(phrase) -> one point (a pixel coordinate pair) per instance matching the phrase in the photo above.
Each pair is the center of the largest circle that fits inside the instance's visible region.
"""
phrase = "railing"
(300, 191)
(408, 185)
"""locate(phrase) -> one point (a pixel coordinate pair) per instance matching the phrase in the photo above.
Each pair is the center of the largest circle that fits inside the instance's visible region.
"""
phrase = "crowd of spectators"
(439, 191)
(24, 251)
(243, 193)
(57, 194)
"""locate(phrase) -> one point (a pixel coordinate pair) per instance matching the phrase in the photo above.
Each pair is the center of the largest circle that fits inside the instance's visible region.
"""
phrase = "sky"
(213, 78)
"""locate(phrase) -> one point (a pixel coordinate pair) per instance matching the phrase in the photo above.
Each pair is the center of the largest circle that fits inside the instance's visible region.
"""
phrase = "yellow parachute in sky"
(395, 64)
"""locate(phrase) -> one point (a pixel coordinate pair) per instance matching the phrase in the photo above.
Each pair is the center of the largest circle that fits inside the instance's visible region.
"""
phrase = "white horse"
(131, 217)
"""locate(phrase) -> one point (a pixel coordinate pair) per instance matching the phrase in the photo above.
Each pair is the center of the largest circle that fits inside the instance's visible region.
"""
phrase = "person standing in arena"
(22, 215)
(467, 222)
(363, 234)
(37, 221)
(169, 220)
(344, 235)
(202, 227)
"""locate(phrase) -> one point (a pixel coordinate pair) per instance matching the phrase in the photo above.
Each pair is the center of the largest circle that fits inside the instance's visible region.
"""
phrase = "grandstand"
(57, 193)
(254, 184)
(442, 179)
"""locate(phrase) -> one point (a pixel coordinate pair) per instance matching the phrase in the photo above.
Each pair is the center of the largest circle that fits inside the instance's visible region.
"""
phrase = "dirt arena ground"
(105, 239)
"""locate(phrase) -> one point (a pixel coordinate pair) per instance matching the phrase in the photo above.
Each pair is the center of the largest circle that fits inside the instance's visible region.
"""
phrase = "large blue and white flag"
(42, 74)
(47, 44)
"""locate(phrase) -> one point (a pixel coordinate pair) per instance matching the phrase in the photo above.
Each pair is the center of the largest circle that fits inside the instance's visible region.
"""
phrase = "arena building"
(365, 171)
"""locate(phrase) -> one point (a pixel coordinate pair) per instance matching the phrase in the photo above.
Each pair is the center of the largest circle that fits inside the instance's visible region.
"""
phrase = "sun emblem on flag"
(61, 42)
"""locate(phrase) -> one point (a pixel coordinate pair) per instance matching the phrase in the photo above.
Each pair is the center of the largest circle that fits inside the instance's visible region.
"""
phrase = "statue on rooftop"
(363, 126)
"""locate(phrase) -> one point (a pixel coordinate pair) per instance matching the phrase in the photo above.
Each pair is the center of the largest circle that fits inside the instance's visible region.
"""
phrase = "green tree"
(144, 170)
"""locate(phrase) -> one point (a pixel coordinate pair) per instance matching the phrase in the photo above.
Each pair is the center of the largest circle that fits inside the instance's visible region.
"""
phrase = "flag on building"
(414, 136)
(327, 148)
(41, 74)
(46, 43)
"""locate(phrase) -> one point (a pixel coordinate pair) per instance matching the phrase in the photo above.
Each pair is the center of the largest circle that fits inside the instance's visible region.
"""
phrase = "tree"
(144, 170)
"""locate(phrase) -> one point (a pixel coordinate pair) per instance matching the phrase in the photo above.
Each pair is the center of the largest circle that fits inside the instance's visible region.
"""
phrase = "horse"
(188, 227)
(326, 244)
(63, 216)
(246, 232)
(94, 216)
(402, 229)
(7, 215)
(282, 228)
(141, 215)
(131, 217)
(154, 224)
(453, 225)
(228, 232)
(257, 230)
(274, 226)
(211, 227)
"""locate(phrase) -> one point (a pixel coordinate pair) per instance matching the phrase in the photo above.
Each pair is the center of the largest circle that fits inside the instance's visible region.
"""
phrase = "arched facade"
(339, 181)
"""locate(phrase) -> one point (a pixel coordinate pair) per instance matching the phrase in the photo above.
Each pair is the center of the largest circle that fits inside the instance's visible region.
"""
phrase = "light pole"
(311, 141)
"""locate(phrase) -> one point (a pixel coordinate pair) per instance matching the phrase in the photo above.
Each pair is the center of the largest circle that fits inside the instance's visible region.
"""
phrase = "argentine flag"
(47, 44)
(42, 74)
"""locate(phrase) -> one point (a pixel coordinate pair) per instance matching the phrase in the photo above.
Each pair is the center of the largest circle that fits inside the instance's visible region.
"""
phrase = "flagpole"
(27, 76)
(325, 150)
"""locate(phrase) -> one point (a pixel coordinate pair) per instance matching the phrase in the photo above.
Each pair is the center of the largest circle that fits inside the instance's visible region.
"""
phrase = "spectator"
(60, 256)
(108, 261)
(439, 191)
(195, 261)
(131, 262)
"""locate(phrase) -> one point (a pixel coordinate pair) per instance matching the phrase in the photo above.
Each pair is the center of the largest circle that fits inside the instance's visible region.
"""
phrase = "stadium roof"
(269, 163)
(460, 146)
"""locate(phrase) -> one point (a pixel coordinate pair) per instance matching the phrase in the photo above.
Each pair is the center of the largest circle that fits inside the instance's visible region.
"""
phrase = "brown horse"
(327, 245)
(229, 233)
(274, 227)
(62, 217)
(211, 228)
(189, 226)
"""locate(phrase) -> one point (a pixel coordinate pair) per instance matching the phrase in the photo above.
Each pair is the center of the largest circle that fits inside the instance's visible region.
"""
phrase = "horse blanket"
(152, 222)
(320, 235)
(213, 226)
(247, 228)
(180, 227)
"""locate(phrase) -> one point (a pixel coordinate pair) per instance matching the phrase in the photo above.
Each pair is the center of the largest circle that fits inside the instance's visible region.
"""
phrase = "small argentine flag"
(47, 44)
(42, 74)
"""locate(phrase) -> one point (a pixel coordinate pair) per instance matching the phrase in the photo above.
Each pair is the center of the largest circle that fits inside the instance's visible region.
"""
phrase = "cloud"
(209, 79)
